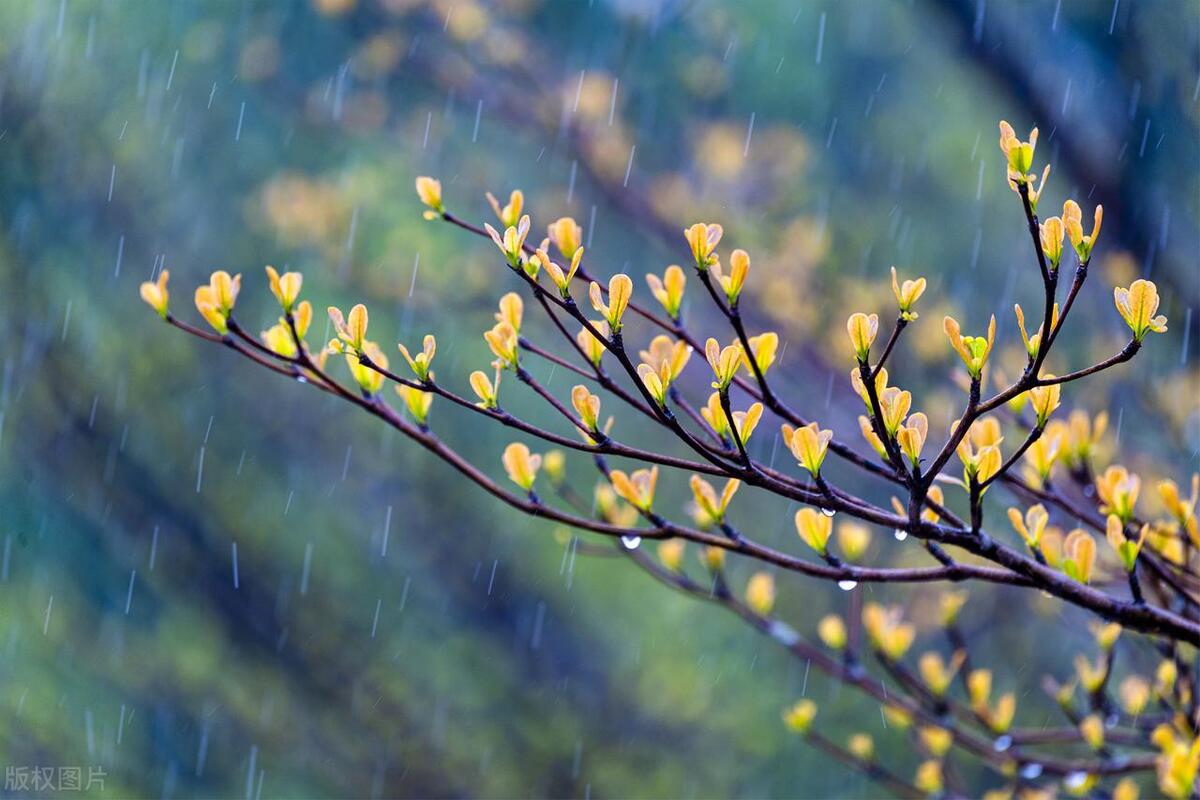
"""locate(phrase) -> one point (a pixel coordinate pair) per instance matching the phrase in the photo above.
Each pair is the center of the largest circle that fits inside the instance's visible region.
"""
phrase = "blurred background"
(217, 583)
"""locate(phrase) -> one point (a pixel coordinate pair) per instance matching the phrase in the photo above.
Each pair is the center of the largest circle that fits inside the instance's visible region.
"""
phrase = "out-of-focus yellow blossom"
(502, 340)
(703, 239)
(215, 300)
(861, 746)
(714, 558)
(155, 294)
(351, 330)
(510, 214)
(853, 539)
(554, 465)
(974, 350)
(1018, 154)
(368, 379)
(936, 740)
(587, 405)
(1164, 677)
(707, 499)
(637, 488)
(808, 444)
(1083, 433)
(418, 402)
(907, 294)
(567, 236)
(1126, 789)
(1177, 768)
(832, 631)
(979, 689)
(521, 465)
(1033, 343)
(668, 290)
(1137, 305)
(1091, 676)
(561, 280)
(512, 243)
(592, 347)
(1045, 400)
(763, 348)
(1092, 730)
(421, 362)
(429, 191)
(814, 528)
(286, 287)
(1118, 490)
(1051, 233)
(620, 289)
(862, 329)
(1079, 555)
(1041, 455)
(724, 362)
(1134, 693)
(888, 632)
(1127, 549)
(670, 553)
(1032, 525)
(938, 675)
(928, 778)
(739, 268)
(486, 390)
(1182, 509)
(800, 716)
(1073, 222)
(1106, 635)
(950, 604)
(911, 437)
(897, 717)
(612, 509)
(760, 593)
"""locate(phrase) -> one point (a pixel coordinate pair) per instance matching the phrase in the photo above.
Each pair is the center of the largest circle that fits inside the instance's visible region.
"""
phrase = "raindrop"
(900, 534)
(1031, 770)
(1075, 780)
(829, 512)
(1002, 743)
(846, 586)
(631, 542)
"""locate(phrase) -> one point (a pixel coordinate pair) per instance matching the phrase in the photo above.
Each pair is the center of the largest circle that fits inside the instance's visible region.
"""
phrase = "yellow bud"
(862, 329)
(670, 553)
(521, 465)
(832, 631)
(800, 716)
(429, 191)
(155, 294)
(814, 528)
(286, 288)
(760, 593)
(1137, 305)
(566, 235)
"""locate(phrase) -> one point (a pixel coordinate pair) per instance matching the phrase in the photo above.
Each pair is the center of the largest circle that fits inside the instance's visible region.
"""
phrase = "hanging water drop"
(846, 586)
(1031, 770)
(900, 534)
(631, 542)
(1002, 743)
(829, 512)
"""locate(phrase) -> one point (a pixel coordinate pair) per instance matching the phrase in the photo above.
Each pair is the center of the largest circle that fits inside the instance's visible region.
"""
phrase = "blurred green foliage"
(392, 631)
